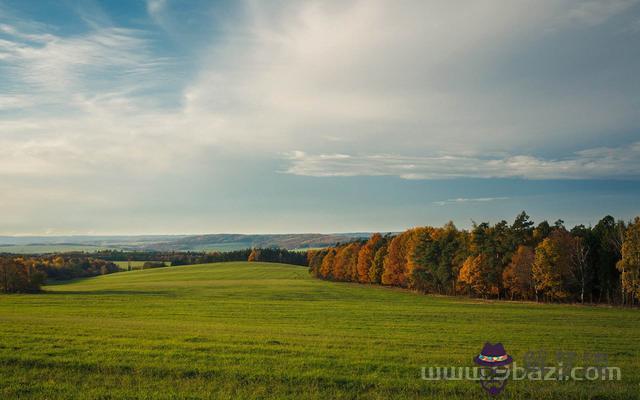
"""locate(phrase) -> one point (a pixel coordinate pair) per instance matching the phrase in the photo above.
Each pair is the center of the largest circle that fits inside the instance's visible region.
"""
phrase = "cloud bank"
(597, 163)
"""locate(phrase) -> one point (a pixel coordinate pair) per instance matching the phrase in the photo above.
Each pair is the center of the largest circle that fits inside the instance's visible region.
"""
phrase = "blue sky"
(166, 116)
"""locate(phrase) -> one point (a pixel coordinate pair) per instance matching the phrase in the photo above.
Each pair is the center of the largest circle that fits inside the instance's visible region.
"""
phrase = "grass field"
(240, 330)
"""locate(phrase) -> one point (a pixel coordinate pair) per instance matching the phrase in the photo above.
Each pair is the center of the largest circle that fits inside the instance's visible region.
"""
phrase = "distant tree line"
(176, 258)
(599, 264)
(26, 274)
(155, 264)
(278, 256)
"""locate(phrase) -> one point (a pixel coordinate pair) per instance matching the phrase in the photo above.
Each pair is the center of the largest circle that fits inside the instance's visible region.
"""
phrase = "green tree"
(607, 251)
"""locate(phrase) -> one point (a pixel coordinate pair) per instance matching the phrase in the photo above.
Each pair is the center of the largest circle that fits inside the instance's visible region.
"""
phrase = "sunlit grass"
(256, 330)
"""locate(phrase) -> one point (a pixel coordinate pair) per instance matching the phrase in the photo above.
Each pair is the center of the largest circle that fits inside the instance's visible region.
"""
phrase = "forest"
(25, 274)
(517, 261)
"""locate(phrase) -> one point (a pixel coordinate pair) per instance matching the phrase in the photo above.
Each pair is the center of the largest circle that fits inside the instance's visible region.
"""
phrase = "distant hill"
(286, 241)
(207, 242)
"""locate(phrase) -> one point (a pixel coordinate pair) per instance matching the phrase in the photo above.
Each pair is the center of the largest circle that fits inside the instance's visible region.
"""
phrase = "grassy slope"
(240, 330)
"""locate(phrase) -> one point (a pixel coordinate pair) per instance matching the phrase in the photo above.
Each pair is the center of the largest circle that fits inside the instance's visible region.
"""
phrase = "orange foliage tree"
(365, 257)
(396, 261)
(516, 278)
(326, 267)
(344, 265)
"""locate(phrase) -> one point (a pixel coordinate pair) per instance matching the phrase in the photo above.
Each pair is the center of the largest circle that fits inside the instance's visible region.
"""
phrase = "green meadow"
(258, 330)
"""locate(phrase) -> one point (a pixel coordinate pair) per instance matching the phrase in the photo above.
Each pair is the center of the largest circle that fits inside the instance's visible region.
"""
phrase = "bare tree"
(580, 258)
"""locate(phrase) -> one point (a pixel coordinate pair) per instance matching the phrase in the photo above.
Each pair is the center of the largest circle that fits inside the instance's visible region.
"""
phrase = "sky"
(173, 117)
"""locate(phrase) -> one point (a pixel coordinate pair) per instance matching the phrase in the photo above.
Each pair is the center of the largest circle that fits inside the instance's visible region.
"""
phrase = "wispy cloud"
(156, 8)
(596, 163)
(462, 200)
(45, 66)
(594, 12)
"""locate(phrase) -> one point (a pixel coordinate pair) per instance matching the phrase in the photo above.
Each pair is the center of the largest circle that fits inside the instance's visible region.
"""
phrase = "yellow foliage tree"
(472, 276)
(629, 265)
(552, 268)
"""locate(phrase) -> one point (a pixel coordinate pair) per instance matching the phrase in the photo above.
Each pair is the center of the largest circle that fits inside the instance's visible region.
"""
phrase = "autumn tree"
(254, 255)
(552, 269)
(472, 276)
(314, 258)
(396, 261)
(629, 265)
(344, 266)
(493, 242)
(326, 267)
(366, 255)
(377, 265)
(517, 276)
(19, 276)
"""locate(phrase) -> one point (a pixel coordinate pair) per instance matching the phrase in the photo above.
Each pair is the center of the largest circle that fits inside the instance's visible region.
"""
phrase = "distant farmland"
(49, 248)
(257, 330)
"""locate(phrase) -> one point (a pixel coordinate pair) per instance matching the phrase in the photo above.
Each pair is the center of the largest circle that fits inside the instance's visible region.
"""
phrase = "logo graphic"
(494, 373)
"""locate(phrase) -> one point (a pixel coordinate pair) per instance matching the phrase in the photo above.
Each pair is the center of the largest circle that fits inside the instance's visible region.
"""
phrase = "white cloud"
(462, 200)
(8, 102)
(597, 163)
(156, 9)
(369, 77)
(594, 12)
(392, 76)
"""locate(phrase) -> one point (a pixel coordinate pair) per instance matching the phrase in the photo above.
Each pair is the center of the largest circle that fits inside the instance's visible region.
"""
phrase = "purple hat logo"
(491, 358)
